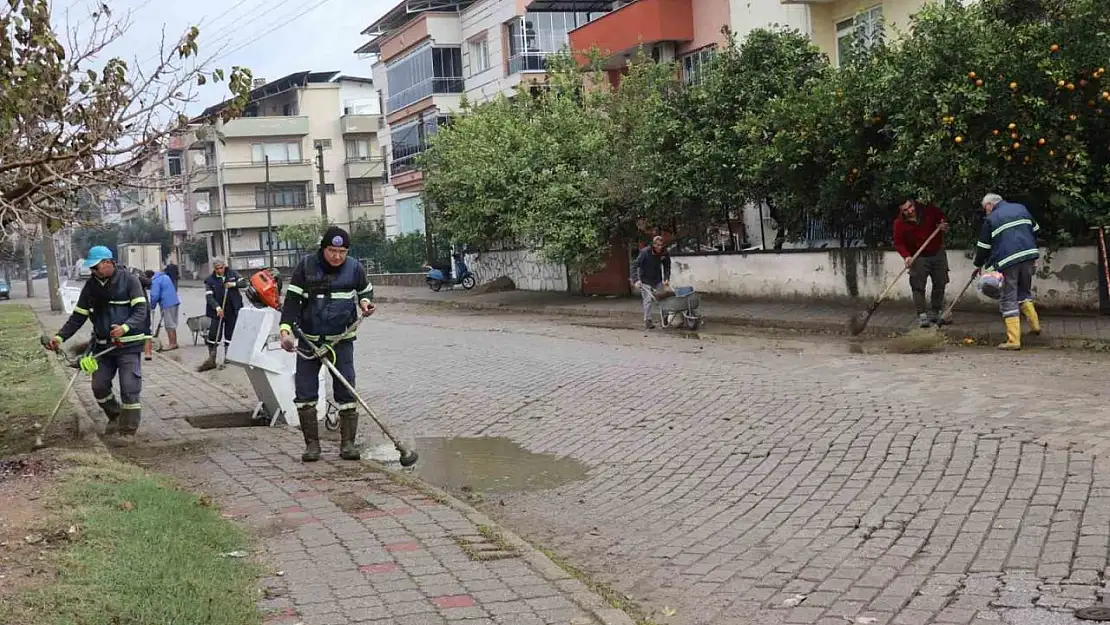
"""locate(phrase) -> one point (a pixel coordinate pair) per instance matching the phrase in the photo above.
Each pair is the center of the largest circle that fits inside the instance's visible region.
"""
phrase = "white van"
(81, 272)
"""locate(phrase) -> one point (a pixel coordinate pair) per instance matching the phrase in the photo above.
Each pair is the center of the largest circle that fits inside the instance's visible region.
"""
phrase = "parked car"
(39, 273)
(5, 290)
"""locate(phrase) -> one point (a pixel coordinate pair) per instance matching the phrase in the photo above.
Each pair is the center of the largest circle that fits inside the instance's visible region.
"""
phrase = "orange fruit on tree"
(971, 75)
(1013, 86)
(1016, 145)
(958, 139)
(1041, 141)
(995, 131)
(1071, 87)
(1055, 48)
(1072, 117)
(1061, 83)
(1013, 135)
(1052, 152)
(979, 83)
(1012, 126)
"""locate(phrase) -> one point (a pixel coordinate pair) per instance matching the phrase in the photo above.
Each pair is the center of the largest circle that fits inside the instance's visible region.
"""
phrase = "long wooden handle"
(952, 306)
(906, 268)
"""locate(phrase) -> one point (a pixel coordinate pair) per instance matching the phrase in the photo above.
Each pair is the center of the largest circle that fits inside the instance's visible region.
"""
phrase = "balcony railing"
(421, 90)
(267, 126)
(528, 62)
(248, 172)
(365, 167)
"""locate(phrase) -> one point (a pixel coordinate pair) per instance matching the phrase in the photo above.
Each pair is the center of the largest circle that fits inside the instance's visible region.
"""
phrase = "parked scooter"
(437, 277)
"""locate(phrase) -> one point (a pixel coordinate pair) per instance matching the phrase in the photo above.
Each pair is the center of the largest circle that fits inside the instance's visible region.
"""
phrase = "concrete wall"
(526, 269)
(1068, 279)
(487, 19)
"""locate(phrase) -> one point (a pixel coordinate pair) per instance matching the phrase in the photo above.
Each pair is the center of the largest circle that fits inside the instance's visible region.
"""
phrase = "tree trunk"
(50, 256)
(27, 264)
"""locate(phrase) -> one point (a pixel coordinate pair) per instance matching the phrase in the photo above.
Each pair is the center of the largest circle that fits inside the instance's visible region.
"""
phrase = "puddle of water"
(490, 464)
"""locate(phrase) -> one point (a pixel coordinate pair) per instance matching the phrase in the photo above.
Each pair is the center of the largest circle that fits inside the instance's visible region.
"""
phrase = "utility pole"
(26, 236)
(269, 215)
(323, 185)
(429, 247)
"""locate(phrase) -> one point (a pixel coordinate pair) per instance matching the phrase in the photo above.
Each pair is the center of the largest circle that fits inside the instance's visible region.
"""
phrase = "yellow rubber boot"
(1030, 312)
(1013, 334)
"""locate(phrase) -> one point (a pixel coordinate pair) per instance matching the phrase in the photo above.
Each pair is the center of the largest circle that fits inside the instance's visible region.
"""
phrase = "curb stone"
(954, 334)
(579, 593)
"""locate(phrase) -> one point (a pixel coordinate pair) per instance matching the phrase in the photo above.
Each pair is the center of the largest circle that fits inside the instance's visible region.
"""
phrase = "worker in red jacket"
(915, 222)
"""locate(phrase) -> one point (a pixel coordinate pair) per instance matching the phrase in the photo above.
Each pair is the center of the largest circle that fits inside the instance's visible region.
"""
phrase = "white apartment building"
(251, 175)
(428, 53)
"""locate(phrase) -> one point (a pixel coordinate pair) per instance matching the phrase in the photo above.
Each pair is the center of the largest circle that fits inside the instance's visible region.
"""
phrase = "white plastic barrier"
(256, 347)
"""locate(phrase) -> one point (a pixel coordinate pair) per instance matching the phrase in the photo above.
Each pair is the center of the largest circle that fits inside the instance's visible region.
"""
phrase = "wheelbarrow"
(678, 307)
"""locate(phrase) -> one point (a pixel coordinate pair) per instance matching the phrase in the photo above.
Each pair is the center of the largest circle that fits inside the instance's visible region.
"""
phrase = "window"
(359, 150)
(264, 238)
(325, 143)
(479, 56)
(410, 215)
(329, 188)
(282, 196)
(865, 30)
(278, 152)
(533, 36)
(695, 64)
(423, 72)
(409, 140)
(174, 163)
(360, 191)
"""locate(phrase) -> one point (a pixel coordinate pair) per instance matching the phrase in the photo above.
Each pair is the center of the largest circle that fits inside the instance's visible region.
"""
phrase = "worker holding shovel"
(116, 304)
(915, 223)
(326, 293)
(223, 299)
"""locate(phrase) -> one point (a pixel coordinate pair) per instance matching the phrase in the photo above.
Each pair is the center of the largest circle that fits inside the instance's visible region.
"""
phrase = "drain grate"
(484, 548)
(225, 420)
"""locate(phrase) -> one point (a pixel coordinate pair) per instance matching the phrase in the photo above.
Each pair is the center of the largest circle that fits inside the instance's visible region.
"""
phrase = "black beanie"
(335, 237)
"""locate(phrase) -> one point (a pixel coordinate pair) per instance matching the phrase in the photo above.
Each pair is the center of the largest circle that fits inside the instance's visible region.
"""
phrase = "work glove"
(52, 343)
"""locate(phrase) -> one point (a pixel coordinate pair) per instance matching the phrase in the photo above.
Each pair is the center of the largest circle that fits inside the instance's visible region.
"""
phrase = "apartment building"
(689, 30)
(429, 54)
(251, 175)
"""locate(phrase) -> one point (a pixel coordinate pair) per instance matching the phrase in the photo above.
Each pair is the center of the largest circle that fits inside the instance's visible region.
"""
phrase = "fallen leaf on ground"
(234, 554)
(794, 601)
(126, 506)
(669, 611)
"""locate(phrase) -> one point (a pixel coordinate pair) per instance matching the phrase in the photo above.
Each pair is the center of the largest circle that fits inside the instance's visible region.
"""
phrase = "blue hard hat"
(97, 254)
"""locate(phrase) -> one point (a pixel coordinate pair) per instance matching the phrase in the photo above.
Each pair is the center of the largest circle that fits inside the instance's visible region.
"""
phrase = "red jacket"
(908, 237)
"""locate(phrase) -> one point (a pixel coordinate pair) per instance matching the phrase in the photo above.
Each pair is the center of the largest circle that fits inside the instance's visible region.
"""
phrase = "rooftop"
(402, 14)
(293, 81)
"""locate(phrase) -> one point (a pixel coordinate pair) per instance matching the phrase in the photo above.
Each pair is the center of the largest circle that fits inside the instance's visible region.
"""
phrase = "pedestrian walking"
(223, 301)
(163, 294)
(327, 292)
(115, 302)
(651, 271)
(915, 223)
(1008, 244)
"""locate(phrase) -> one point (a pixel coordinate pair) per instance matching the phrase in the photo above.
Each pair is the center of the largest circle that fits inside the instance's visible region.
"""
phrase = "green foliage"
(138, 230)
(196, 250)
(1006, 96)
(305, 235)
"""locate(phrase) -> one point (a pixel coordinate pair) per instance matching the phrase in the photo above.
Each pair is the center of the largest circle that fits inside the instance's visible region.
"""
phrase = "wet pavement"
(753, 478)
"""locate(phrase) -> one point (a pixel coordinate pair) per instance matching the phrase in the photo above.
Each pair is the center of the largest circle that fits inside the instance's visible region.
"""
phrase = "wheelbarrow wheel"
(691, 322)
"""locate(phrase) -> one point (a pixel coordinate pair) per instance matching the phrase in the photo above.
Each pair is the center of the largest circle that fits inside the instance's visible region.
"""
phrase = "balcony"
(276, 126)
(643, 22)
(365, 168)
(203, 178)
(255, 173)
(361, 124)
(254, 217)
(528, 62)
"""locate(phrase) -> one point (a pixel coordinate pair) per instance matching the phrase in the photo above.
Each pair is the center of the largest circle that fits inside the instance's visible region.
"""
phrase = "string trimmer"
(87, 364)
(321, 353)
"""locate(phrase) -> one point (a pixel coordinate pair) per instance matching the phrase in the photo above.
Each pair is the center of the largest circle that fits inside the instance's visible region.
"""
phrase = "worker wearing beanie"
(326, 294)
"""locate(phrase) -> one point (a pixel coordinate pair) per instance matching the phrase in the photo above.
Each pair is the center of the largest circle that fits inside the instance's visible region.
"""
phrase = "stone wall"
(1068, 278)
(397, 279)
(526, 269)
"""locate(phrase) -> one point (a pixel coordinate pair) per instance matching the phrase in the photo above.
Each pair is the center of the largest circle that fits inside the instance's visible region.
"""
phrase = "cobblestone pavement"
(756, 480)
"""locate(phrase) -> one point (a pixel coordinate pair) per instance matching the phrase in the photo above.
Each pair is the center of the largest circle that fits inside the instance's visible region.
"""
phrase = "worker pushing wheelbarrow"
(651, 274)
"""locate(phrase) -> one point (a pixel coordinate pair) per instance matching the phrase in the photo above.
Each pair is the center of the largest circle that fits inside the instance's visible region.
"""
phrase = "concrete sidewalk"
(346, 543)
(981, 325)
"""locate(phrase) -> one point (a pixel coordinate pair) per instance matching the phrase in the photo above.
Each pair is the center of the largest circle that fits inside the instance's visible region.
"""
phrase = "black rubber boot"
(129, 419)
(112, 411)
(310, 427)
(209, 364)
(348, 428)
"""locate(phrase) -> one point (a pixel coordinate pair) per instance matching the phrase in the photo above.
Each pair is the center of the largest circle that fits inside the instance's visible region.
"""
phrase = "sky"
(271, 37)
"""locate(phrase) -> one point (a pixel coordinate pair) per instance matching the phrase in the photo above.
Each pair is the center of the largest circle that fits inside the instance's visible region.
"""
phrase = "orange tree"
(1006, 96)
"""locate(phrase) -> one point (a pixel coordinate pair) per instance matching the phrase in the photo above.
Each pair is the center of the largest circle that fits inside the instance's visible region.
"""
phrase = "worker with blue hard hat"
(116, 304)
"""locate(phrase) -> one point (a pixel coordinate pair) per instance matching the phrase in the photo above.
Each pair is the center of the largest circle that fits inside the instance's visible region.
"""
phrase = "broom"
(858, 322)
(931, 339)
